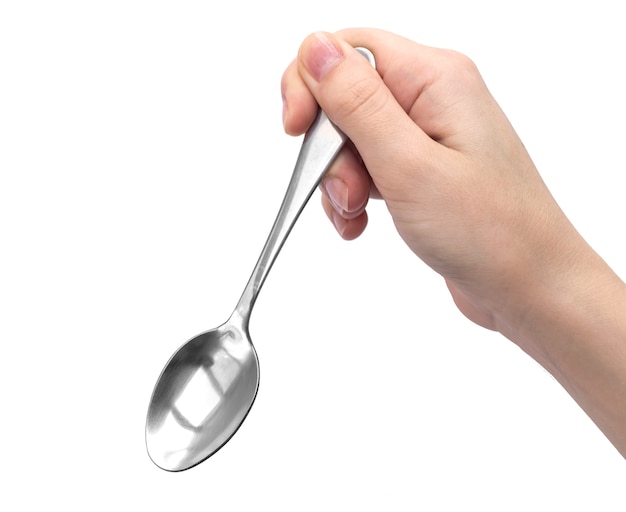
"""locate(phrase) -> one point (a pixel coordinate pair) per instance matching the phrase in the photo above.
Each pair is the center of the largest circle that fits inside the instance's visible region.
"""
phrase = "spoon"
(207, 388)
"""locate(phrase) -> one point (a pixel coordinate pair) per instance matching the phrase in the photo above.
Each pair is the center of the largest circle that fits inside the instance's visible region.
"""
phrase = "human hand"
(432, 142)
(429, 139)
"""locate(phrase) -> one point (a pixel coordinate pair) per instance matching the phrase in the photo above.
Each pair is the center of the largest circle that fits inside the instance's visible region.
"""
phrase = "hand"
(430, 140)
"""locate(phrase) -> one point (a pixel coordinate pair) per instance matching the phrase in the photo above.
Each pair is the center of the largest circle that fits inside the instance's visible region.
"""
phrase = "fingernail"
(337, 191)
(322, 55)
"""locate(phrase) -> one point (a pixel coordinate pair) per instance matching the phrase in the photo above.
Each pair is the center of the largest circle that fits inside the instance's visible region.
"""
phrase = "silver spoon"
(209, 385)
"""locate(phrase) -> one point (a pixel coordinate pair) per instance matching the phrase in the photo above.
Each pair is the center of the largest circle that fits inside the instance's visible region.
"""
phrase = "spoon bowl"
(207, 388)
(202, 396)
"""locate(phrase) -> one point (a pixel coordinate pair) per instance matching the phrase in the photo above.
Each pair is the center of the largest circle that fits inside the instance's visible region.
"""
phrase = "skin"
(428, 138)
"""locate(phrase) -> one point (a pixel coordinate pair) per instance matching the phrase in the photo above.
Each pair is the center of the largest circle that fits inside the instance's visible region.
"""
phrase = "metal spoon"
(209, 385)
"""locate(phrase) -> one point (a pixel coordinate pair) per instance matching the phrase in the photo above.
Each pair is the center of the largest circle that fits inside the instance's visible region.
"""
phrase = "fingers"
(346, 189)
(371, 106)
(354, 96)
(403, 117)
(405, 76)
(348, 229)
(299, 105)
(347, 185)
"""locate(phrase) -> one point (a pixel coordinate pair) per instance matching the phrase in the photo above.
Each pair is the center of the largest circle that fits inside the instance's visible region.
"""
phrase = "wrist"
(554, 306)
(574, 325)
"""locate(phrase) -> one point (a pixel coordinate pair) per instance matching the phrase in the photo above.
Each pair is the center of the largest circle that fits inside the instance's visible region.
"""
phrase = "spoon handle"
(321, 144)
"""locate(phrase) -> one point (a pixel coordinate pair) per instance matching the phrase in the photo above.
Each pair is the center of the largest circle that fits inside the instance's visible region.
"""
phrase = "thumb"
(356, 99)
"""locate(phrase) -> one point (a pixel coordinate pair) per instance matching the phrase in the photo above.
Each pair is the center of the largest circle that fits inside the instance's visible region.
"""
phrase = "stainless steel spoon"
(209, 385)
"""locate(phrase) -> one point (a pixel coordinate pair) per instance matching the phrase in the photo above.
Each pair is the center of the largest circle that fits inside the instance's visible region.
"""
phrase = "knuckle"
(461, 73)
(462, 67)
(461, 61)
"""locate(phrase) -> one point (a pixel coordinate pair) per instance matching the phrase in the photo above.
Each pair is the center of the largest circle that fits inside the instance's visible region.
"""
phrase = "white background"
(142, 161)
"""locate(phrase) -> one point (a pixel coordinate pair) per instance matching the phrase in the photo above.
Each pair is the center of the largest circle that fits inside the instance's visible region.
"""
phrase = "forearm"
(574, 324)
